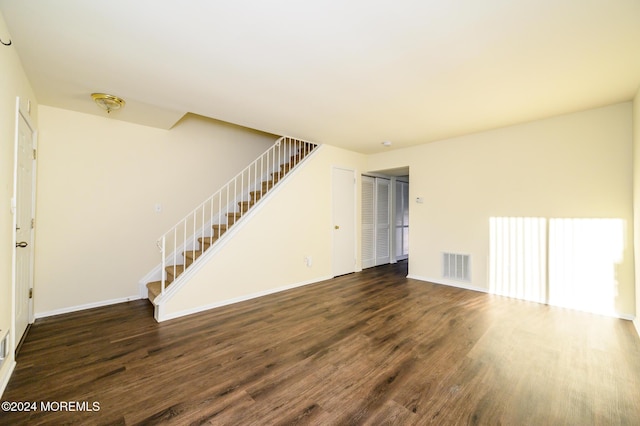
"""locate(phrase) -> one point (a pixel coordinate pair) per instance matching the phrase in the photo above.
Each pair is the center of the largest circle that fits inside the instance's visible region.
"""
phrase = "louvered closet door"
(383, 221)
(368, 222)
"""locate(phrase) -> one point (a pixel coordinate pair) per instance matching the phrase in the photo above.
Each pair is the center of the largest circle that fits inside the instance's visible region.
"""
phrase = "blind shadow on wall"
(567, 262)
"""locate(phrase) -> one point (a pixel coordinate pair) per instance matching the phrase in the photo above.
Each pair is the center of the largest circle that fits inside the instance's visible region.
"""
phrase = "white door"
(24, 225)
(344, 223)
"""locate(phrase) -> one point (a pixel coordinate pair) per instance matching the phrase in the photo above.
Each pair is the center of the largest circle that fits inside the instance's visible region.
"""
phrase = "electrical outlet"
(308, 261)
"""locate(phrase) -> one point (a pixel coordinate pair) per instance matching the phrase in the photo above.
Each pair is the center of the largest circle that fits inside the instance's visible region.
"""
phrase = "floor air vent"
(456, 266)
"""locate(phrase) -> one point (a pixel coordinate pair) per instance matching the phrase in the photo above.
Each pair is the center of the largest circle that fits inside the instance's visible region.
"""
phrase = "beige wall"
(268, 252)
(636, 201)
(13, 83)
(99, 180)
(571, 166)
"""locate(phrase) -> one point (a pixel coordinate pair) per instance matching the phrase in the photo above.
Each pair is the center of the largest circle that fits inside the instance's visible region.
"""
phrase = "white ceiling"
(351, 73)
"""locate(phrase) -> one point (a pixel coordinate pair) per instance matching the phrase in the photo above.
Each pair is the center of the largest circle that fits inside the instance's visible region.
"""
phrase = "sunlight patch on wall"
(517, 257)
(583, 254)
(571, 264)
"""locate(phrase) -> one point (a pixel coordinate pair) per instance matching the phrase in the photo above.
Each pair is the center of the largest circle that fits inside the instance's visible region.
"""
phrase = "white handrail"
(197, 229)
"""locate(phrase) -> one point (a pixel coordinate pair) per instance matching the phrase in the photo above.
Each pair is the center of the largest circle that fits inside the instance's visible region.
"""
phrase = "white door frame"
(394, 203)
(355, 227)
(21, 113)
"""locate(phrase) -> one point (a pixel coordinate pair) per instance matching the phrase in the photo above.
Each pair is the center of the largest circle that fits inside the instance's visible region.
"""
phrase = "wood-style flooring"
(367, 348)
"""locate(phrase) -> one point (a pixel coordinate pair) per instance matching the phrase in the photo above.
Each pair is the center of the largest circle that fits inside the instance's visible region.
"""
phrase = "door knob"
(22, 244)
(336, 227)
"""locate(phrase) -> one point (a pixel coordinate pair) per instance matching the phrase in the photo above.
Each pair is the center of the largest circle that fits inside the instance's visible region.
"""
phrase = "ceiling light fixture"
(108, 102)
(386, 143)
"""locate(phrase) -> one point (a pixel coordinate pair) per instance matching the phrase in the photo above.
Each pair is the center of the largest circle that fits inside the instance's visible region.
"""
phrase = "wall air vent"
(456, 266)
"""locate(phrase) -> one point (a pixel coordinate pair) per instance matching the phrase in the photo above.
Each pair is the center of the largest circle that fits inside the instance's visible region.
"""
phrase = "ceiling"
(351, 73)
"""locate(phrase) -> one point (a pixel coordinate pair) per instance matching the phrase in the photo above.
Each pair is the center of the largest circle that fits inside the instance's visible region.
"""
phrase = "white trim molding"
(450, 283)
(160, 316)
(4, 380)
(458, 284)
(99, 304)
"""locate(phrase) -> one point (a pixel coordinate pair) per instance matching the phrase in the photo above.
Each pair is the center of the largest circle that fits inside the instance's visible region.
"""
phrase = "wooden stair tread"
(246, 205)
(219, 229)
(178, 268)
(256, 195)
(191, 252)
(207, 241)
(154, 289)
(171, 269)
(278, 176)
(191, 255)
(233, 217)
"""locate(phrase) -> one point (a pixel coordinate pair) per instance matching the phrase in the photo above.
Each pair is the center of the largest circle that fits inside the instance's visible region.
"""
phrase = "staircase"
(208, 224)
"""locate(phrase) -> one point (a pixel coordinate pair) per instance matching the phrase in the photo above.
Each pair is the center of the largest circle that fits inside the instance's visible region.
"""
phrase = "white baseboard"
(4, 380)
(450, 283)
(87, 306)
(160, 317)
(458, 284)
(624, 316)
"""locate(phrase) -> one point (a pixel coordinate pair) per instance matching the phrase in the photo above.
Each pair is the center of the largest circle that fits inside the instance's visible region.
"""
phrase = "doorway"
(376, 221)
(385, 218)
(401, 219)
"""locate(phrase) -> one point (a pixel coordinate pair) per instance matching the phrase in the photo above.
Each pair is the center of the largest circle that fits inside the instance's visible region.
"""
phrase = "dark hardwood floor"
(367, 348)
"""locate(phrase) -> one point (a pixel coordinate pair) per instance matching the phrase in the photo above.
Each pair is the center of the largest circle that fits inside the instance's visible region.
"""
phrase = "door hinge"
(30, 293)
(34, 154)
(33, 223)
